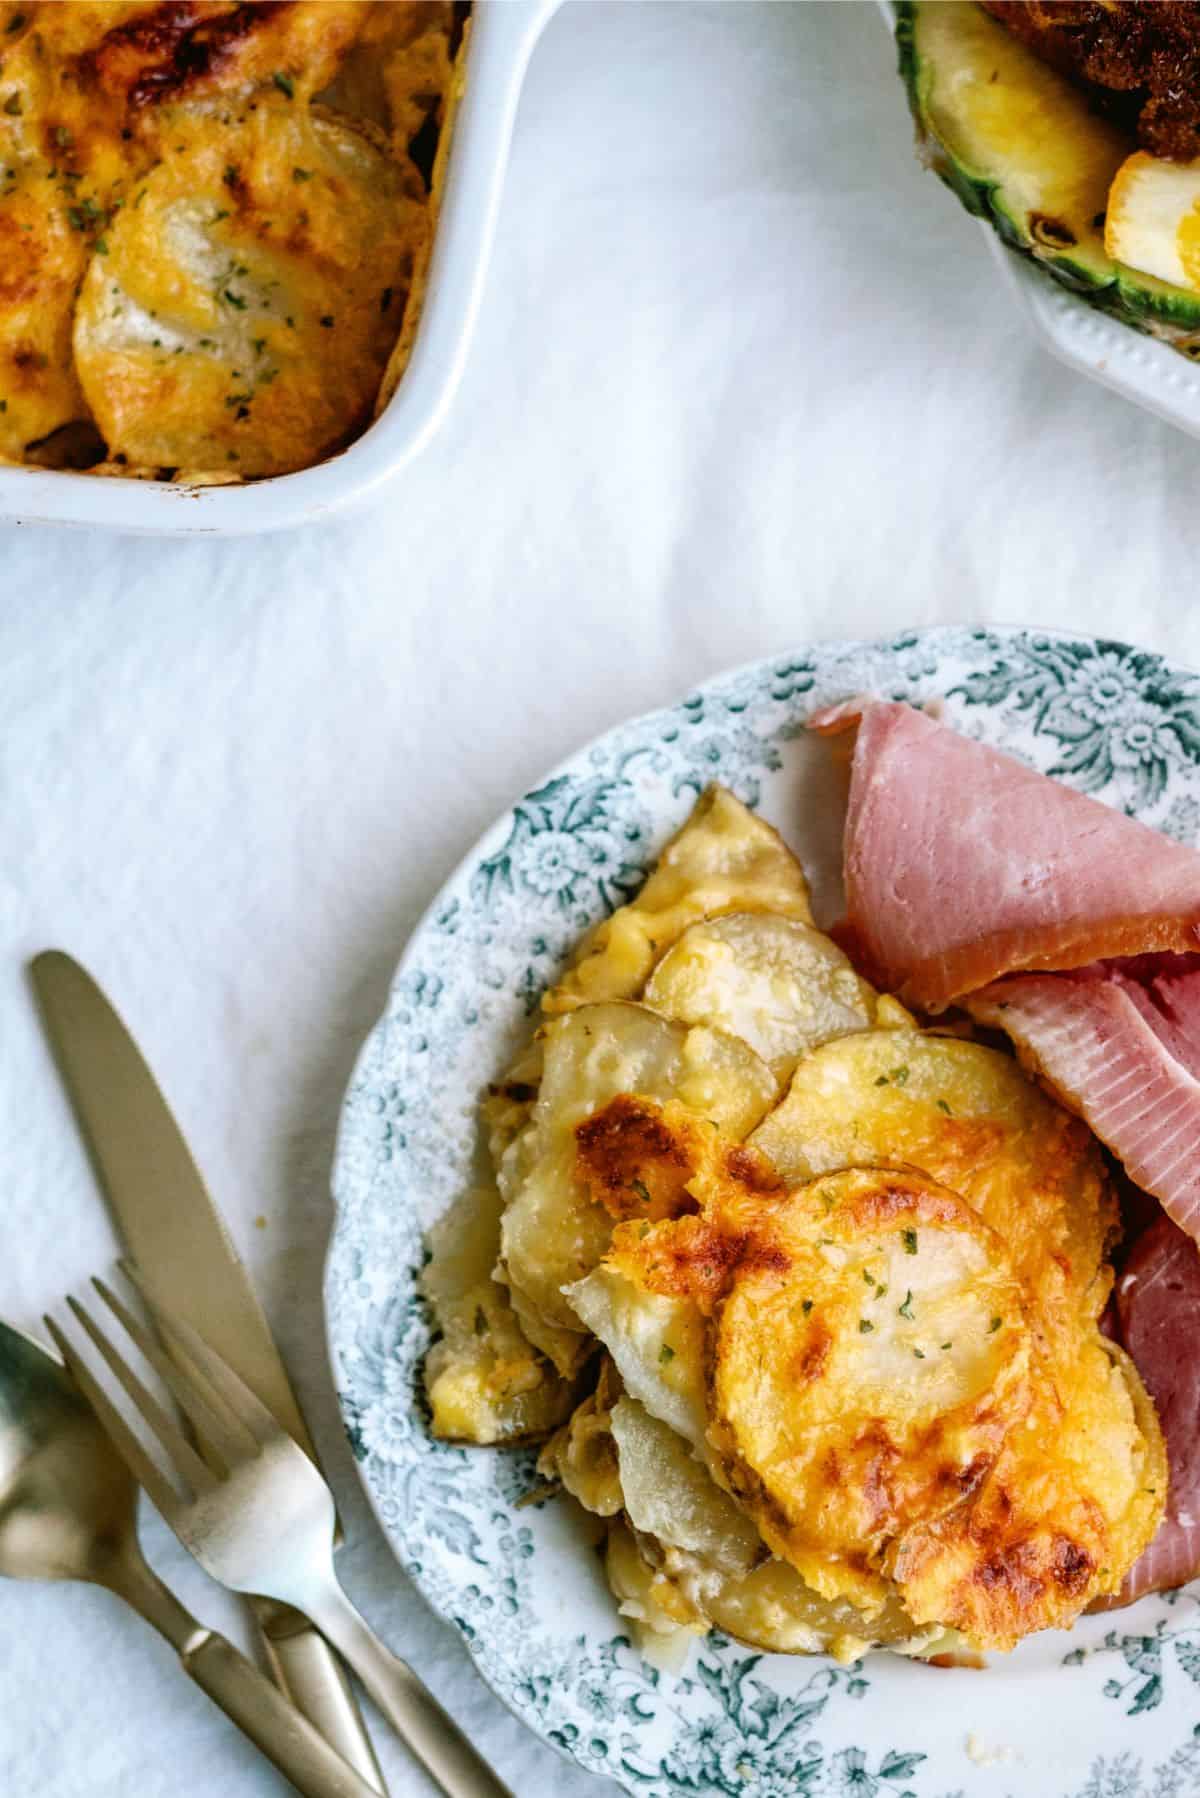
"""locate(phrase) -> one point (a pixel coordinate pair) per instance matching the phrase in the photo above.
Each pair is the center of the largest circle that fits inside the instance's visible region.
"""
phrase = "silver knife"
(174, 1231)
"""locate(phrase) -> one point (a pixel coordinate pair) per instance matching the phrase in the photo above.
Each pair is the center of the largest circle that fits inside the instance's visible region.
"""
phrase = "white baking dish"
(1130, 362)
(502, 38)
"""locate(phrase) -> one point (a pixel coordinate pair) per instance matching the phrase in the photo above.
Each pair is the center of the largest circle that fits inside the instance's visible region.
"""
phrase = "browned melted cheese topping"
(95, 98)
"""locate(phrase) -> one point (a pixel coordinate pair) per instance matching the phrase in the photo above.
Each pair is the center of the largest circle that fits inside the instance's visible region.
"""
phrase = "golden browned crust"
(95, 96)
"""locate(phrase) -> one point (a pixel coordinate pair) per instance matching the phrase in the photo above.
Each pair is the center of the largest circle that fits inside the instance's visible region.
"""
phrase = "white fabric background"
(745, 376)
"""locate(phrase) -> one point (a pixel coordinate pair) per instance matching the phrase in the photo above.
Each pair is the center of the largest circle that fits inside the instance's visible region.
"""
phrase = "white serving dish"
(1130, 362)
(503, 35)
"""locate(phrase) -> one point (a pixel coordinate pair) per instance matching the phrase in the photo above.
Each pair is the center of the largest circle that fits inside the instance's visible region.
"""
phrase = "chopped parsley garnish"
(62, 137)
(258, 344)
(12, 105)
(900, 1075)
(942, 1106)
(881, 1080)
(666, 1353)
(994, 1325)
(480, 1321)
(284, 83)
(326, 320)
(302, 174)
(86, 214)
(101, 246)
(234, 299)
(865, 1326)
(217, 216)
(946, 1345)
(906, 1309)
(910, 1241)
(919, 1353)
(806, 1306)
(868, 1277)
(642, 1190)
(231, 176)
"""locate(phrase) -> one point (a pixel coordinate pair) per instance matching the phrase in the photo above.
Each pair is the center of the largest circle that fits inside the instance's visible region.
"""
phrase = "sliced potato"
(671, 1597)
(553, 1232)
(723, 859)
(248, 294)
(484, 1380)
(669, 1494)
(582, 1455)
(780, 985)
(855, 1388)
(664, 1623)
(657, 1344)
(1074, 1498)
(971, 1119)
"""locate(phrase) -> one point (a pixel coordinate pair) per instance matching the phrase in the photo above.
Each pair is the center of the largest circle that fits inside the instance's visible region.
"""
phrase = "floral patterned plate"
(1111, 1710)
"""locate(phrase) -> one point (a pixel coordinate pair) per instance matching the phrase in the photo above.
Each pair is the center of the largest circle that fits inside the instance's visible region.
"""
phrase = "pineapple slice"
(1025, 151)
(1153, 221)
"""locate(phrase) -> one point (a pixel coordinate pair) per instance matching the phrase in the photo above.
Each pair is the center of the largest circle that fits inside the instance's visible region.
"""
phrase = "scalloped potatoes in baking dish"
(801, 1300)
(215, 223)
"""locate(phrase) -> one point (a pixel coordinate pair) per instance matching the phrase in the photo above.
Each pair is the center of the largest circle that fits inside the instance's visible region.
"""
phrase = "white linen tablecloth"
(745, 376)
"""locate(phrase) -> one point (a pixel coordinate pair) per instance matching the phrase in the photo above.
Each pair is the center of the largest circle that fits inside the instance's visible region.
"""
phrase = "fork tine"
(186, 1461)
(245, 1405)
(147, 1475)
(233, 1444)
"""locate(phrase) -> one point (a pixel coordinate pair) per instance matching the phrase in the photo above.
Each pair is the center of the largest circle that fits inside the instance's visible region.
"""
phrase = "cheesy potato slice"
(972, 1120)
(1075, 1496)
(484, 1380)
(855, 1389)
(780, 985)
(841, 1385)
(559, 1218)
(246, 297)
(707, 1563)
(724, 858)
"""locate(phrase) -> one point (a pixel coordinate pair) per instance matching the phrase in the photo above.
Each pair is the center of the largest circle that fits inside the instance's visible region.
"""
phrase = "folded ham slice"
(962, 864)
(1118, 1042)
(1158, 1302)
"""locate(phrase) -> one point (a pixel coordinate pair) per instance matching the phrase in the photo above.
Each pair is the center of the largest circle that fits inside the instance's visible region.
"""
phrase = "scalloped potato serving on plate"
(801, 1299)
(216, 222)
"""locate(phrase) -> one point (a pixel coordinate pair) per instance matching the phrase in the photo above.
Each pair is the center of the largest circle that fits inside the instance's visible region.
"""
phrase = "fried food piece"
(1141, 60)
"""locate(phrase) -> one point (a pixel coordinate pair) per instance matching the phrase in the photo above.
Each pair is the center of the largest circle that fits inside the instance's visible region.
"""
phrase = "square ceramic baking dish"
(503, 35)
(1150, 373)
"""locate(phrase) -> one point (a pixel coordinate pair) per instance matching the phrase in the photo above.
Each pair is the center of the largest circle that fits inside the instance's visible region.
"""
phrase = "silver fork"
(259, 1518)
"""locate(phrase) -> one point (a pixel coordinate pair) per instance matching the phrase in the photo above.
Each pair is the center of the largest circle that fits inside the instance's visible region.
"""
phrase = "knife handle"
(307, 1670)
(270, 1721)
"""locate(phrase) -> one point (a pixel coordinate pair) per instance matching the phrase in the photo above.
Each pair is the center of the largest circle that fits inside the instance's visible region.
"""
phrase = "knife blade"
(174, 1231)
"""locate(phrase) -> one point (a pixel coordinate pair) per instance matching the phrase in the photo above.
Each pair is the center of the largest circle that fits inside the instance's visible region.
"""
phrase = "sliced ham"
(1118, 1042)
(962, 864)
(1158, 1302)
